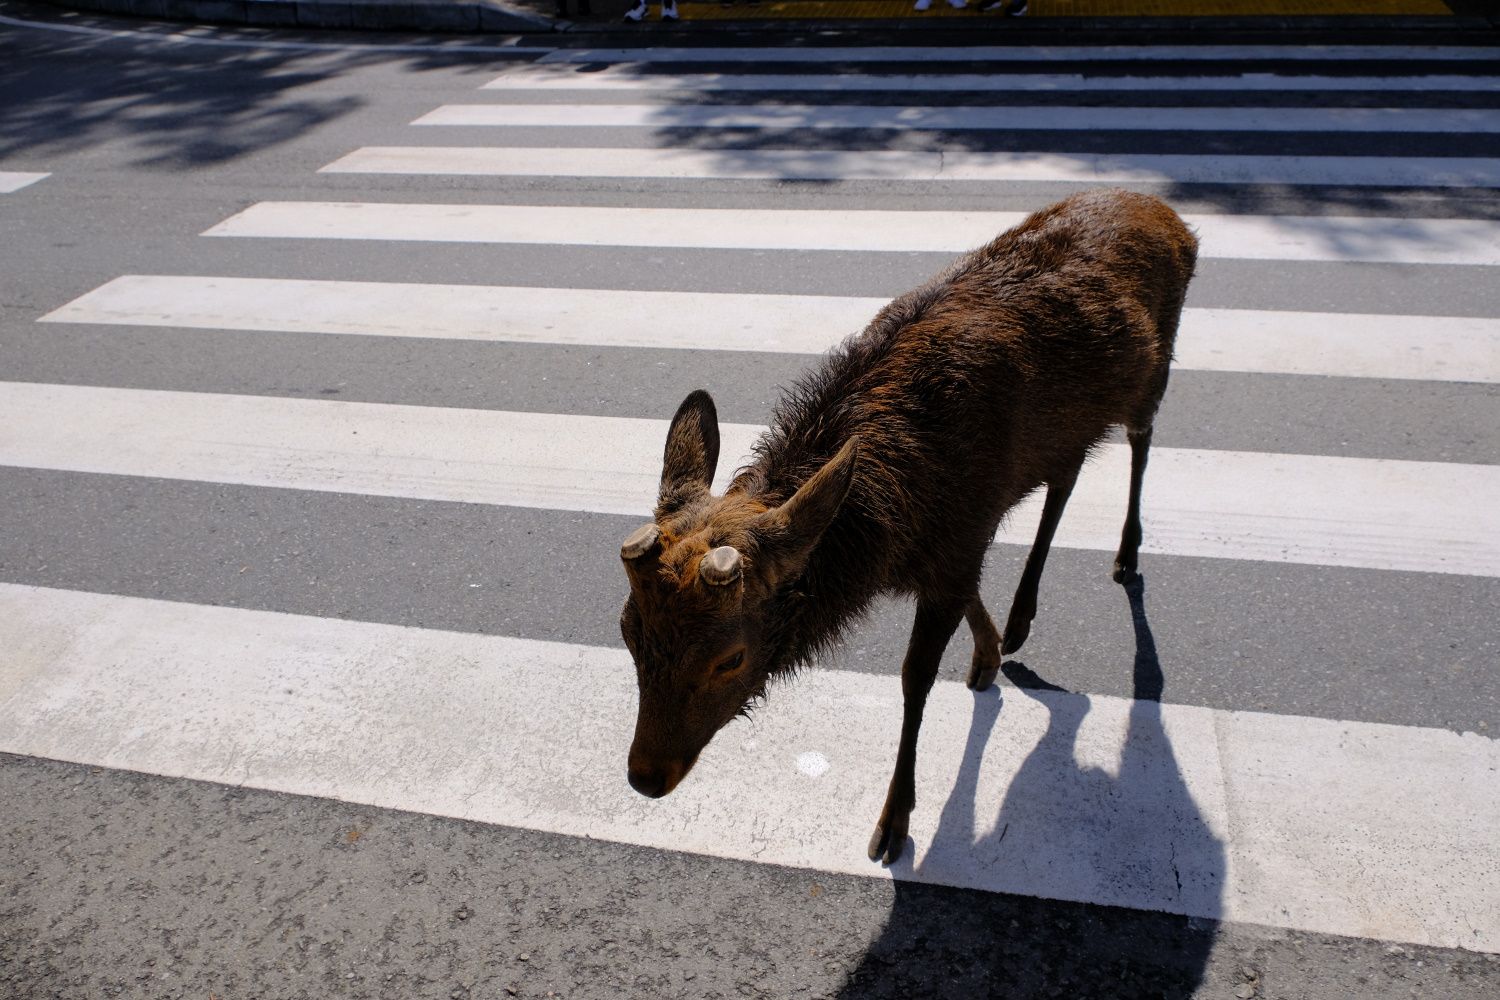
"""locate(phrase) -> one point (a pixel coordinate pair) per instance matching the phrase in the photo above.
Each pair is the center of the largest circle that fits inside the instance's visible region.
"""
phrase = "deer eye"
(730, 665)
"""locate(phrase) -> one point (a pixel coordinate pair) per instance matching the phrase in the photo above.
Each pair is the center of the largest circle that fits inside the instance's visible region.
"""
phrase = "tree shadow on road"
(1067, 832)
(180, 104)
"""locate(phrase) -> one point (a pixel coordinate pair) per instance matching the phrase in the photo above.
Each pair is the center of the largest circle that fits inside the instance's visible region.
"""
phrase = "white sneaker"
(669, 10)
(636, 13)
(922, 5)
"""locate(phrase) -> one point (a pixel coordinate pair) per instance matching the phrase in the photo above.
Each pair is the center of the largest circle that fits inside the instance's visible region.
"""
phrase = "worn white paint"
(1336, 827)
(1445, 348)
(1376, 513)
(812, 764)
(1263, 237)
(917, 165)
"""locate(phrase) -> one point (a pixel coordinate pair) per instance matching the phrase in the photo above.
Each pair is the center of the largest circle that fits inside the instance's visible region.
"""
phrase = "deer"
(888, 468)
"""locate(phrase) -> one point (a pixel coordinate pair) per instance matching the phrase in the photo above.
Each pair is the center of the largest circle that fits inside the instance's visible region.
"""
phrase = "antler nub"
(720, 566)
(641, 541)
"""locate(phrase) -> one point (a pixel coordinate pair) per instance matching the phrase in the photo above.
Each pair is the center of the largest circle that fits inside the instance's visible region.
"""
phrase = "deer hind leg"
(1130, 536)
(1023, 605)
(930, 632)
(986, 663)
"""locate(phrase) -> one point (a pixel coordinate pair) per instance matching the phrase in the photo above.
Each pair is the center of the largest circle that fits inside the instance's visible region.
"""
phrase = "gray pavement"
(141, 885)
(129, 885)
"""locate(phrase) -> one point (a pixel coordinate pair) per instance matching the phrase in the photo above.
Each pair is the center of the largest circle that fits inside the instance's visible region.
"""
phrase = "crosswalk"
(1339, 818)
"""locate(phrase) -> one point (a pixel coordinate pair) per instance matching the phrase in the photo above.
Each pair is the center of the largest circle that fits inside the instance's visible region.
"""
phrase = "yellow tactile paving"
(709, 10)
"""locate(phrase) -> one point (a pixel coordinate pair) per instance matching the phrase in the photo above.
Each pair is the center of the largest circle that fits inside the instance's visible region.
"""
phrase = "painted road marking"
(796, 324)
(1000, 54)
(1441, 348)
(1348, 828)
(920, 165)
(1441, 517)
(11, 180)
(1259, 237)
(1008, 118)
(627, 77)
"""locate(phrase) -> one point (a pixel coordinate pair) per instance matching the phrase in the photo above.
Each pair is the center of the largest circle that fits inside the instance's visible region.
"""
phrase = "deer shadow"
(1134, 838)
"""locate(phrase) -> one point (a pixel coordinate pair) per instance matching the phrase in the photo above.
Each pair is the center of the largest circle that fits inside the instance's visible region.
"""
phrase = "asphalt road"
(125, 877)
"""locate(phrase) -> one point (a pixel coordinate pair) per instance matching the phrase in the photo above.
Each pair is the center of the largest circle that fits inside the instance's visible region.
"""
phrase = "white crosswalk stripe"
(1243, 237)
(1353, 345)
(1008, 118)
(916, 165)
(1332, 825)
(626, 79)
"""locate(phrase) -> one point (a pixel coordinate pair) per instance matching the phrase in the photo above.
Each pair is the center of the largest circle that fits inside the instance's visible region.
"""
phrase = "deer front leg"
(930, 632)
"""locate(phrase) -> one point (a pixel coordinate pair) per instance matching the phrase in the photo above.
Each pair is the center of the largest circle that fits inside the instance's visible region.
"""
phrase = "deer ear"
(796, 525)
(692, 452)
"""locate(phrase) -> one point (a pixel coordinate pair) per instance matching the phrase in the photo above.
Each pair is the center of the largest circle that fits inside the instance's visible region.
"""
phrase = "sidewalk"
(1077, 21)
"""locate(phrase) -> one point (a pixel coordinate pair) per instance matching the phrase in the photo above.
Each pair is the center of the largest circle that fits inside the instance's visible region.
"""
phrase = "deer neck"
(845, 571)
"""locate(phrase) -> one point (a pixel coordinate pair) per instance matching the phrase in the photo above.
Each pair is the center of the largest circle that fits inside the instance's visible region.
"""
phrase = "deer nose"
(650, 782)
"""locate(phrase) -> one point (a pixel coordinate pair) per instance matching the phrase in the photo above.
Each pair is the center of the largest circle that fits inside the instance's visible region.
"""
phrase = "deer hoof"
(982, 671)
(889, 839)
(1016, 631)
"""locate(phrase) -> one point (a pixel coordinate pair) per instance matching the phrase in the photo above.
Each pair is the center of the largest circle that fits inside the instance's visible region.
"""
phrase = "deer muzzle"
(654, 778)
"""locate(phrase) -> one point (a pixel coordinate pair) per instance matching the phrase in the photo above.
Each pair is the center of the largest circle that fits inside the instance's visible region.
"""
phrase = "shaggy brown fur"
(888, 469)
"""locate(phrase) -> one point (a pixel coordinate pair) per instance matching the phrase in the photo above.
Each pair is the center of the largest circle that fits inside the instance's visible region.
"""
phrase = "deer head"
(710, 579)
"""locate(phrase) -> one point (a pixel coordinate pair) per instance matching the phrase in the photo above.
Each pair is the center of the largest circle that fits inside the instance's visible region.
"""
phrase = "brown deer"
(888, 468)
